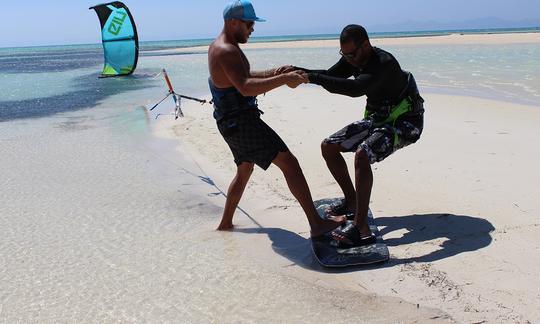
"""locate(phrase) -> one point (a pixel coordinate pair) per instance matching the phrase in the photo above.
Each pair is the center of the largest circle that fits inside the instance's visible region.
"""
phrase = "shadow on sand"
(460, 233)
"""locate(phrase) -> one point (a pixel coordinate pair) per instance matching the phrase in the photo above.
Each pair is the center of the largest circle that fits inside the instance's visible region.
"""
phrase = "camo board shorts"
(251, 139)
(378, 141)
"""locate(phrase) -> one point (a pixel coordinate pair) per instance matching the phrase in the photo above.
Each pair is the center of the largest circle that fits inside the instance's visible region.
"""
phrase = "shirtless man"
(234, 88)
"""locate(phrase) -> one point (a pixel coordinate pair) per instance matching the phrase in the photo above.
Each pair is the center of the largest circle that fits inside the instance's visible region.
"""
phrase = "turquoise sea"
(40, 81)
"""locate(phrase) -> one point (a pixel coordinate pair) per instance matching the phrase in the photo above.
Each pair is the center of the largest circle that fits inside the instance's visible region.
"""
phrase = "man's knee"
(329, 149)
(286, 161)
(290, 158)
(245, 169)
(361, 159)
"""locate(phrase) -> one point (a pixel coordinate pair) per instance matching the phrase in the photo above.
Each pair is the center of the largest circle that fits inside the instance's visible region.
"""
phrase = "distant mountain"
(481, 23)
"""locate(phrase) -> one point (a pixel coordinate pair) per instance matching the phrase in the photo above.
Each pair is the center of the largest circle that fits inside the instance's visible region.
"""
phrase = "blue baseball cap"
(241, 9)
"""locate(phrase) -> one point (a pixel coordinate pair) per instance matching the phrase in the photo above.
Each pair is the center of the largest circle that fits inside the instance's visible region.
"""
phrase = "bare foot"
(225, 227)
(326, 225)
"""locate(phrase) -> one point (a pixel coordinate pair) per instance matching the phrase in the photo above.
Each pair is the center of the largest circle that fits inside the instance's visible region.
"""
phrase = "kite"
(119, 37)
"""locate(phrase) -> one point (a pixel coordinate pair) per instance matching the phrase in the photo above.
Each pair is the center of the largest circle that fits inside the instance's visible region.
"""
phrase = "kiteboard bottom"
(328, 254)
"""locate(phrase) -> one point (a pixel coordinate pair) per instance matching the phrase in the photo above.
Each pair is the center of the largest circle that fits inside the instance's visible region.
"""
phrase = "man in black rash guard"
(393, 119)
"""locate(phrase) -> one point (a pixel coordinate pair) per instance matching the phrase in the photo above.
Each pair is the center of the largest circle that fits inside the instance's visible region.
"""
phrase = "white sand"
(102, 223)
(459, 209)
(453, 39)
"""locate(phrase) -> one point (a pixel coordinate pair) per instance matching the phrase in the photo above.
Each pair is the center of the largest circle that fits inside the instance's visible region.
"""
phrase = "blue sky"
(33, 22)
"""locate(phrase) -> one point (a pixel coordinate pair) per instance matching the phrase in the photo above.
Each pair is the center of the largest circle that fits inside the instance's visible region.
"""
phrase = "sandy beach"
(108, 212)
(453, 39)
(458, 210)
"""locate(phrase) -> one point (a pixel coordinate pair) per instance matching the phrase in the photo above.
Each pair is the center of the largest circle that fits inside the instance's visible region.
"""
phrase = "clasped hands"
(294, 77)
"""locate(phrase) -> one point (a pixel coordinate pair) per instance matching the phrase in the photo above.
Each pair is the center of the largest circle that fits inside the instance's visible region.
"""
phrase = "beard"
(241, 38)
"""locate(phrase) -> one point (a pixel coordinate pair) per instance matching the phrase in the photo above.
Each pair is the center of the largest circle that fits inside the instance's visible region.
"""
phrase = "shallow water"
(509, 73)
(38, 82)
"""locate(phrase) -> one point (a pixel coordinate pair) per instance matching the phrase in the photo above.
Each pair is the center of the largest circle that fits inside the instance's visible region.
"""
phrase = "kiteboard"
(328, 254)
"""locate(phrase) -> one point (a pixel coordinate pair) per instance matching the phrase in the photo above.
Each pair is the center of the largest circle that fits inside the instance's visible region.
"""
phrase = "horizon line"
(376, 34)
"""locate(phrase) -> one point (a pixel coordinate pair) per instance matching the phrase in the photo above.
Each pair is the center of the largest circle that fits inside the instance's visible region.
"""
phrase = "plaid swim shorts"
(251, 139)
(378, 141)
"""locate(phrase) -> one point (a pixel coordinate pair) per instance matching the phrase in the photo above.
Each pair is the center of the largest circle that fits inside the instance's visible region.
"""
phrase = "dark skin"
(357, 200)
(229, 67)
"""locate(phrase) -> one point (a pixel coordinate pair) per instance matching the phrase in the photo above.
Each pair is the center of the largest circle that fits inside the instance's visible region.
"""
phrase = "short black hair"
(355, 33)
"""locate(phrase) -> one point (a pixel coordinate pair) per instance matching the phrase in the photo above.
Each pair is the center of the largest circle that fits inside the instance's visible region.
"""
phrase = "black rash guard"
(381, 79)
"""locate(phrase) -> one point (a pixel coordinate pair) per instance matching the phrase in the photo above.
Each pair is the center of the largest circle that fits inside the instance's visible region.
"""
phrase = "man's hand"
(283, 69)
(303, 74)
(296, 78)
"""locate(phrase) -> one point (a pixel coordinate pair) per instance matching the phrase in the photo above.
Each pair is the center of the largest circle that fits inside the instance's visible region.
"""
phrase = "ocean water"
(42, 81)
(506, 73)
(101, 222)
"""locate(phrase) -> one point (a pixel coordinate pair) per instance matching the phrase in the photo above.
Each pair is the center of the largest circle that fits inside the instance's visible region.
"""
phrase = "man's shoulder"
(219, 47)
(384, 56)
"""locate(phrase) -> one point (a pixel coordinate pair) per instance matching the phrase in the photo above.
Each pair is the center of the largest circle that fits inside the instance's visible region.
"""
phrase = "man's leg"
(332, 154)
(296, 181)
(234, 193)
(364, 184)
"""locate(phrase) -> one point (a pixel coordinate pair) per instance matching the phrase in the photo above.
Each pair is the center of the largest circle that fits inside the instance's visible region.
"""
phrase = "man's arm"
(261, 74)
(336, 79)
(236, 70)
(358, 86)
(272, 72)
(342, 69)
(348, 87)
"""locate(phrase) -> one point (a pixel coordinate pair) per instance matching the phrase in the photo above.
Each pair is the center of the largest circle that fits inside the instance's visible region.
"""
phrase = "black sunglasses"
(350, 55)
(249, 24)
